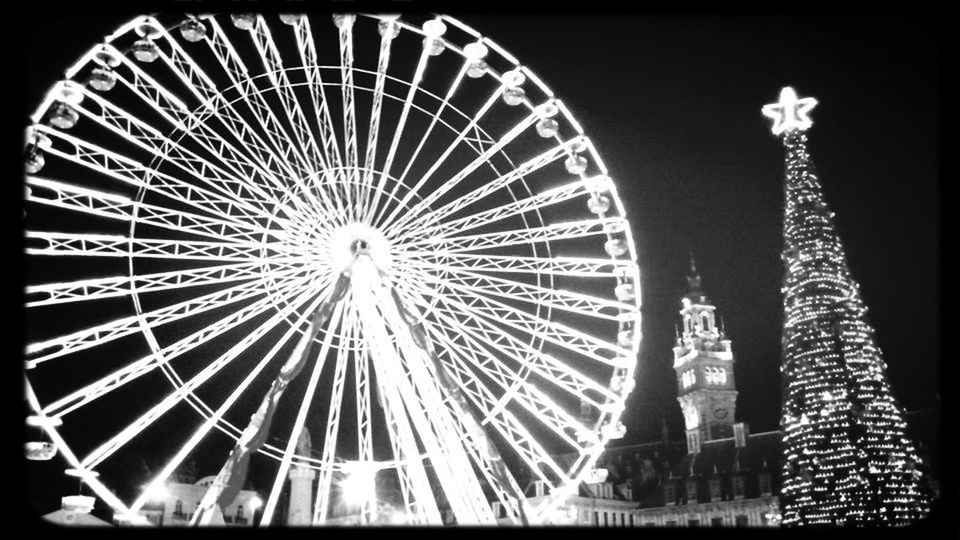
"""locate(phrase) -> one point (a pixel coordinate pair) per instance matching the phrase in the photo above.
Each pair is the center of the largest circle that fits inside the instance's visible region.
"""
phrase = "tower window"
(715, 375)
(688, 378)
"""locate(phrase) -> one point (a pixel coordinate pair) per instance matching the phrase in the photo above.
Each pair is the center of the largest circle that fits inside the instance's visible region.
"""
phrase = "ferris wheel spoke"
(418, 497)
(512, 385)
(97, 203)
(383, 62)
(301, 417)
(312, 157)
(215, 417)
(574, 302)
(347, 95)
(451, 91)
(133, 172)
(402, 122)
(519, 172)
(487, 329)
(179, 394)
(111, 287)
(116, 329)
(422, 399)
(458, 177)
(104, 245)
(176, 111)
(547, 233)
(401, 233)
(559, 334)
(148, 363)
(307, 48)
(362, 377)
(328, 454)
(273, 66)
(508, 264)
(364, 422)
(127, 125)
(466, 426)
(506, 423)
(282, 155)
(387, 222)
(534, 203)
(215, 105)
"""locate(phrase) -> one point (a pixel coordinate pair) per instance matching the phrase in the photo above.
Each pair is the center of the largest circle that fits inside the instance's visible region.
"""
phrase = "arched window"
(240, 511)
(178, 508)
(716, 375)
(705, 321)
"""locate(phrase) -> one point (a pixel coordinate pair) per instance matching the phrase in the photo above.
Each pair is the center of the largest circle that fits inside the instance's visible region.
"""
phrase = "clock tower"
(703, 361)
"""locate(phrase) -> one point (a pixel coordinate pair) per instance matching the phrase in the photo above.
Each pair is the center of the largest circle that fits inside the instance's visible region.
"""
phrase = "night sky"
(673, 105)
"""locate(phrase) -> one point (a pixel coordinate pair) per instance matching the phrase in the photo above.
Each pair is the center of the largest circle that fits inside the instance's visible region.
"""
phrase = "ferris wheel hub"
(355, 239)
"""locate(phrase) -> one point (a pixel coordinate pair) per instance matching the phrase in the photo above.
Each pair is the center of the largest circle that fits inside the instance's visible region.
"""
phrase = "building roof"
(649, 467)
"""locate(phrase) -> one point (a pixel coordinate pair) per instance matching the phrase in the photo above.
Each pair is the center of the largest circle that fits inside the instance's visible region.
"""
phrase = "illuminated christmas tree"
(847, 459)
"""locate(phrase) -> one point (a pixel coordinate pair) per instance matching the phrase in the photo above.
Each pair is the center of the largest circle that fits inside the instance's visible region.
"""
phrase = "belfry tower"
(300, 511)
(703, 361)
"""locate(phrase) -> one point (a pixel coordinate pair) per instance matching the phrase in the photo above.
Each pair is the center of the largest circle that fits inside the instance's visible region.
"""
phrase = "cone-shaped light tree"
(847, 459)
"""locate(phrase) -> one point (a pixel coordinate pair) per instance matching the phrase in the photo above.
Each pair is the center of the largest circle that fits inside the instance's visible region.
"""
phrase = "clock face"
(720, 413)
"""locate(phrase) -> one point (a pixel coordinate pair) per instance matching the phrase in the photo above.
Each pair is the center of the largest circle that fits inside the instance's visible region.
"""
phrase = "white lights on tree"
(790, 113)
(370, 239)
(840, 419)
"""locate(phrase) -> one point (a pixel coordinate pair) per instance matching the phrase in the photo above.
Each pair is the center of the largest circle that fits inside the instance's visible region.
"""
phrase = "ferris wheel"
(382, 231)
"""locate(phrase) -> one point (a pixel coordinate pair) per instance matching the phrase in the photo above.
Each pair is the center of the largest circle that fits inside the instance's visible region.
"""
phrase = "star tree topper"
(790, 113)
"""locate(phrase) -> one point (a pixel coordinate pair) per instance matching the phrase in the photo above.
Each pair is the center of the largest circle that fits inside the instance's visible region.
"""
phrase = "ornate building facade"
(718, 475)
(177, 508)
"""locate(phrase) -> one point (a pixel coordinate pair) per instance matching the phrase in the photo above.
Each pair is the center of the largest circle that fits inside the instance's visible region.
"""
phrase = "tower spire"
(694, 291)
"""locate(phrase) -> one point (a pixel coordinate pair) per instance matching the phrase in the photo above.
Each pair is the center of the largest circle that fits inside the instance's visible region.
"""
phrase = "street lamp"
(358, 485)
(358, 488)
(255, 503)
(157, 493)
